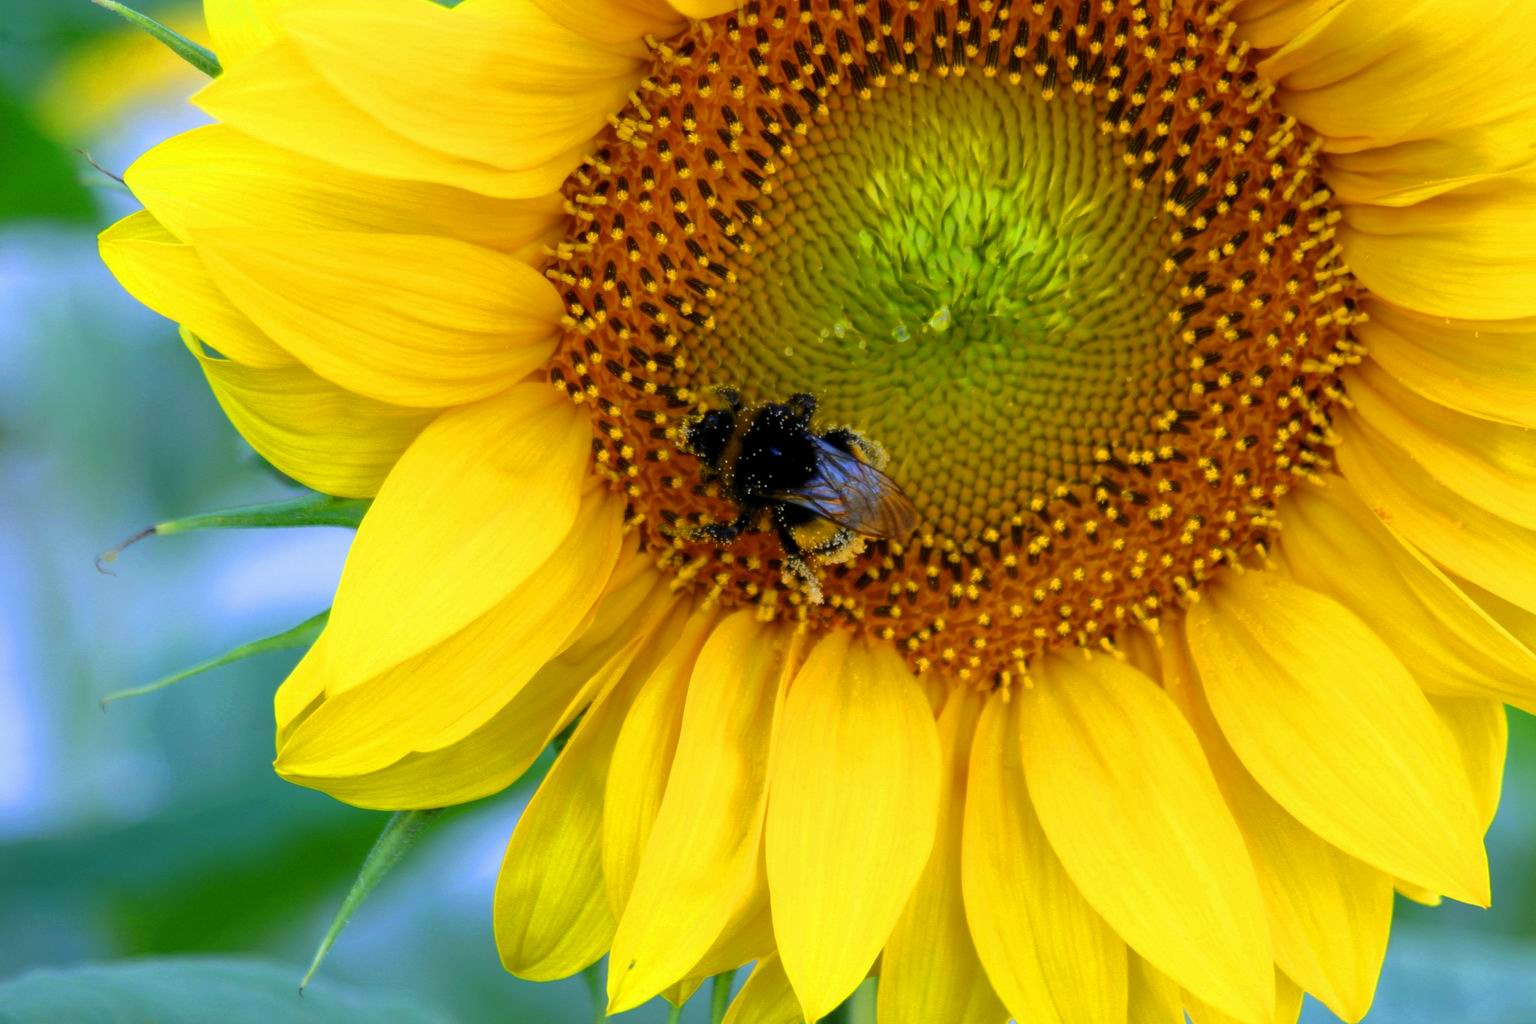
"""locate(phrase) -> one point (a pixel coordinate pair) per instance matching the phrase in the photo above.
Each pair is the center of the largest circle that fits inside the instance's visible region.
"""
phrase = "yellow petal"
(1469, 253)
(278, 97)
(929, 970)
(169, 277)
(1329, 913)
(1050, 957)
(702, 9)
(1335, 544)
(1411, 172)
(1288, 997)
(301, 692)
(852, 807)
(1485, 368)
(496, 754)
(1155, 998)
(1480, 728)
(642, 760)
(1370, 73)
(241, 27)
(551, 913)
(1128, 803)
(1469, 541)
(216, 177)
(552, 916)
(1490, 464)
(683, 991)
(700, 863)
(638, 599)
(1419, 894)
(1333, 727)
(487, 760)
(331, 440)
(1265, 24)
(766, 998)
(749, 934)
(1520, 623)
(545, 88)
(449, 691)
(619, 22)
(478, 503)
(409, 319)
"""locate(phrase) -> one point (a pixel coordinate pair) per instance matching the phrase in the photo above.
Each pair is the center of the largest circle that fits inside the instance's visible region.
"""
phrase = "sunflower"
(1201, 336)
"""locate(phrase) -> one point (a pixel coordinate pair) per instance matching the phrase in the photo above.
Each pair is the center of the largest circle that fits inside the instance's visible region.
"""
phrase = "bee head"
(707, 435)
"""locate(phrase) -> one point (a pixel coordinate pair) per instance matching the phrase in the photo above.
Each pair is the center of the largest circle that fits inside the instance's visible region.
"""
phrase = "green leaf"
(200, 57)
(189, 879)
(399, 835)
(195, 990)
(302, 635)
(309, 510)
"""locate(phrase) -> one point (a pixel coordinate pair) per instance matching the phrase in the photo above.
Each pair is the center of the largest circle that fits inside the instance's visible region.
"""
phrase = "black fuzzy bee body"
(821, 492)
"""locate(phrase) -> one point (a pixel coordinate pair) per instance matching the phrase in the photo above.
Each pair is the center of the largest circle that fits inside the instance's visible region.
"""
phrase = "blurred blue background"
(156, 827)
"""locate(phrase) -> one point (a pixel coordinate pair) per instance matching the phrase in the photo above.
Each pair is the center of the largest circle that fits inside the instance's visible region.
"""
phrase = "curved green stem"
(200, 57)
(309, 510)
(301, 635)
(720, 996)
(399, 835)
(593, 976)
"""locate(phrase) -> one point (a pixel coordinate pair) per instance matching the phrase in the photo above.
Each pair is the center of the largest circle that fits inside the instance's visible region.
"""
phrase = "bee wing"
(853, 493)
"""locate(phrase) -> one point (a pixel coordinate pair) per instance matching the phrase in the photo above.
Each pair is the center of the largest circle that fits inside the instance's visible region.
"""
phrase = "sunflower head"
(1187, 343)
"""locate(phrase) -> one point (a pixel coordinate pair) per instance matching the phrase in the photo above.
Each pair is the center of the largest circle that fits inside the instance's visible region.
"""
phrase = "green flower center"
(959, 269)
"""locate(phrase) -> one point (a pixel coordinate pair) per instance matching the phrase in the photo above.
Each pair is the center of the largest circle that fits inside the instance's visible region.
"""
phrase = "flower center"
(959, 269)
(1068, 266)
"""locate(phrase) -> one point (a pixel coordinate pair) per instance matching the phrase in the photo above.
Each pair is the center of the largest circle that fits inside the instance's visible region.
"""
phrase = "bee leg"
(784, 529)
(724, 533)
(799, 572)
(803, 405)
(730, 396)
(840, 548)
(797, 568)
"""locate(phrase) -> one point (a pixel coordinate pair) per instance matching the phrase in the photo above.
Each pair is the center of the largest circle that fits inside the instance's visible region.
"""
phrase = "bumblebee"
(821, 493)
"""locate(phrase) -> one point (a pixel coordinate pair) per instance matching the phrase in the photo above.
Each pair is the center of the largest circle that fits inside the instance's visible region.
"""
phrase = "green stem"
(301, 635)
(720, 996)
(861, 1008)
(399, 835)
(309, 510)
(674, 1014)
(200, 57)
(593, 976)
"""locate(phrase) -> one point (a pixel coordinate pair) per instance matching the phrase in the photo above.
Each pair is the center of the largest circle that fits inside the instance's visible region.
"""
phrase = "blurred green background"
(156, 829)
